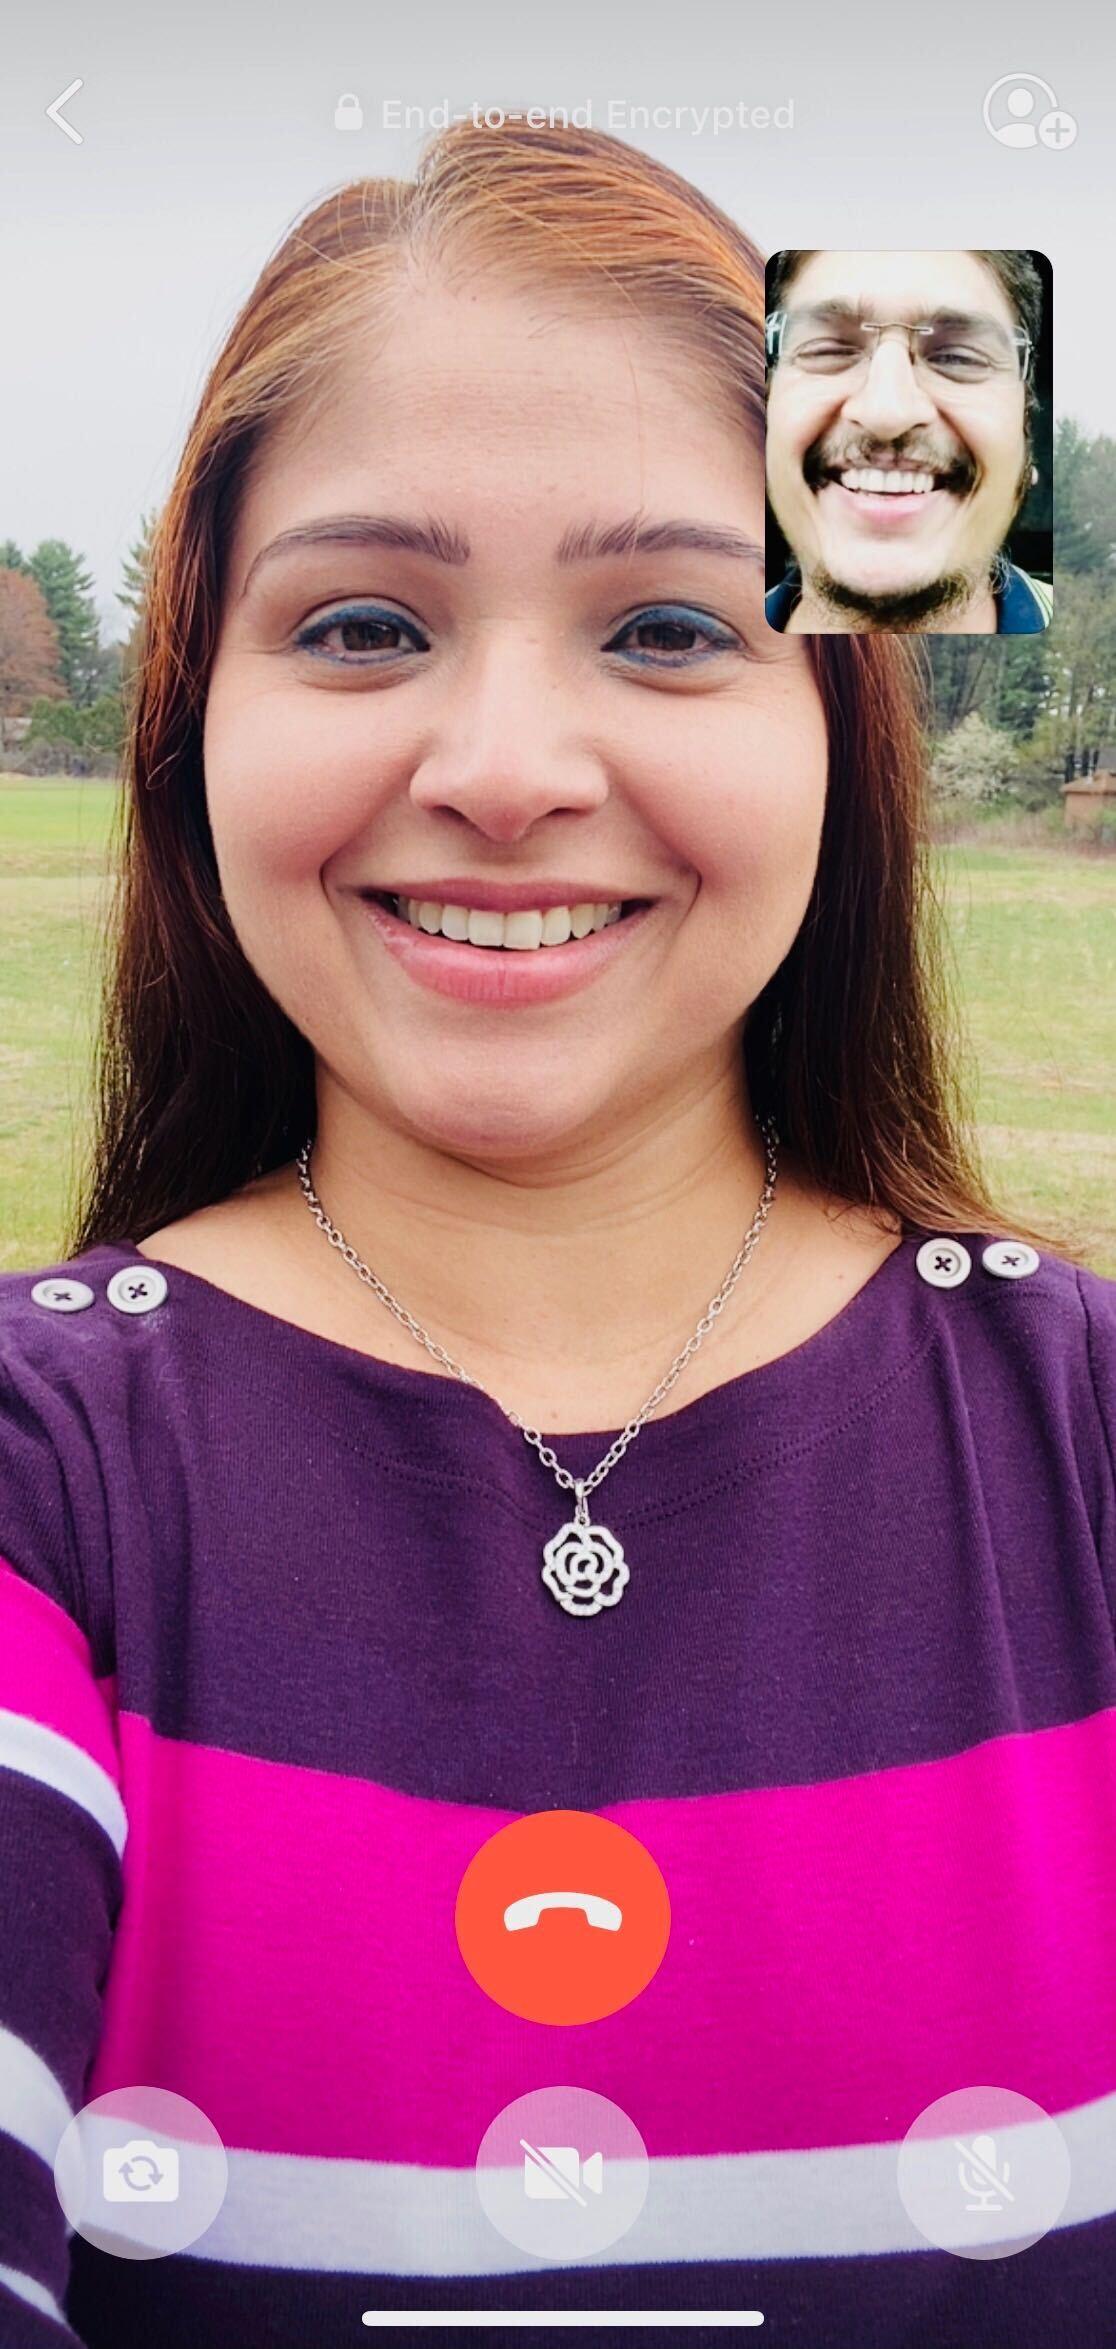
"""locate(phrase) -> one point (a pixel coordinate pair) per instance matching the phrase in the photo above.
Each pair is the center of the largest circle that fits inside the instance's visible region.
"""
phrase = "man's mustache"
(955, 469)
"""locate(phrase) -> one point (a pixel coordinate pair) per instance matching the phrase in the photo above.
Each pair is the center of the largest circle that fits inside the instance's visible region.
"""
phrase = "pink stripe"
(840, 1955)
(46, 1670)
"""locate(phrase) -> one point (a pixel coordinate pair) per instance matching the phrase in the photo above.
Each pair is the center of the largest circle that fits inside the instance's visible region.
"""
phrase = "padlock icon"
(348, 113)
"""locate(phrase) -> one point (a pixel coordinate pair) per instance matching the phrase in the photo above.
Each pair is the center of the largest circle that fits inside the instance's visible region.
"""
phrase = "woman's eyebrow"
(637, 536)
(589, 542)
(433, 538)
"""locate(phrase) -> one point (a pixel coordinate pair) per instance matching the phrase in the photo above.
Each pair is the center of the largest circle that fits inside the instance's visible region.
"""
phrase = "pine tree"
(1085, 487)
(133, 594)
(137, 564)
(68, 593)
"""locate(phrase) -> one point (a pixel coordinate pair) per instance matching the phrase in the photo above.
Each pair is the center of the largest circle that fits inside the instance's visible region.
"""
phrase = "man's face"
(956, 439)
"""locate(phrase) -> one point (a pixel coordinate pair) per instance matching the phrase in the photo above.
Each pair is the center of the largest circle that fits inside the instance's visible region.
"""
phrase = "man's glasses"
(966, 353)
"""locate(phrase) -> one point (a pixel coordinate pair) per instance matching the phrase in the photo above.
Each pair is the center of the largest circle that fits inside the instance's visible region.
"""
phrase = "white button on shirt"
(1011, 1260)
(944, 1263)
(137, 1288)
(62, 1295)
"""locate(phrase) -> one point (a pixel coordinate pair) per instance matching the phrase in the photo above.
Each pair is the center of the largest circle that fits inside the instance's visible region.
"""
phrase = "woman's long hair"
(201, 1082)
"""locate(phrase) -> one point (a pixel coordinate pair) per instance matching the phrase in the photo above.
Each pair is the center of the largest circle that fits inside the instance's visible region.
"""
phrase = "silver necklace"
(584, 1567)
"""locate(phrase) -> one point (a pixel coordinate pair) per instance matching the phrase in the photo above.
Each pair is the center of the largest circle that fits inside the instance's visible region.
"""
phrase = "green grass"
(1033, 935)
(1034, 940)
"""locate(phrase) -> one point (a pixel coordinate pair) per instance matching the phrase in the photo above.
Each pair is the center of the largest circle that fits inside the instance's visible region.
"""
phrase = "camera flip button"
(141, 2172)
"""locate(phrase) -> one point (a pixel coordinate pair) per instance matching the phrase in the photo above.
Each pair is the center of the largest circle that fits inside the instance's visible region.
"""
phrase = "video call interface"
(382, 1953)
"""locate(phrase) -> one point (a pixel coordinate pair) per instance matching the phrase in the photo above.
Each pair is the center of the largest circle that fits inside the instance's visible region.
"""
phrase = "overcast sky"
(205, 135)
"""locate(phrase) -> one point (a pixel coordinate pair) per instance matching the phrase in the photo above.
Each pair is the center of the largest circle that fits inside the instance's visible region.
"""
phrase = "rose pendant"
(585, 1568)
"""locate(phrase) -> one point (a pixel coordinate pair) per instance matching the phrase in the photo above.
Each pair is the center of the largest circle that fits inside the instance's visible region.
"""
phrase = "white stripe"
(387, 2218)
(33, 2104)
(25, 2288)
(1043, 595)
(499, 2318)
(56, 1761)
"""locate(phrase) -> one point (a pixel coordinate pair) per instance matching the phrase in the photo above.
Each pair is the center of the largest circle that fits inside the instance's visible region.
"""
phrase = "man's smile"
(890, 482)
(879, 504)
(896, 492)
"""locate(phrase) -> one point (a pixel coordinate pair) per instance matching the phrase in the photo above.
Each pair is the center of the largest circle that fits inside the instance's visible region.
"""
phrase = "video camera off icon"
(556, 2173)
(562, 2173)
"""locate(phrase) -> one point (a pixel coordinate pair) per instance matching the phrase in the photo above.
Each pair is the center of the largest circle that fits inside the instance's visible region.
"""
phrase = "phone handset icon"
(528, 1909)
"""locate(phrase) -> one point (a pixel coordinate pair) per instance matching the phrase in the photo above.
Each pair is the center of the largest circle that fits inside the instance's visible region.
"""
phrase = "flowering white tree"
(975, 762)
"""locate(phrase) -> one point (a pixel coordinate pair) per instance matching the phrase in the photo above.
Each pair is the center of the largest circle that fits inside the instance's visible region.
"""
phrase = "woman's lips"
(501, 975)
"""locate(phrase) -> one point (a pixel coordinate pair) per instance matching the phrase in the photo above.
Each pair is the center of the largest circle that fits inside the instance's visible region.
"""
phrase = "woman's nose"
(510, 744)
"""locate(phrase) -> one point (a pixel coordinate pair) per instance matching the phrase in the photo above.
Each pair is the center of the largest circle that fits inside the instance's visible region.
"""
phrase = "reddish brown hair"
(202, 1082)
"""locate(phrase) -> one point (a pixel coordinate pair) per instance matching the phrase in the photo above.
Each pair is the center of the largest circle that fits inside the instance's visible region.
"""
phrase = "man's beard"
(902, 610)
(907, 610)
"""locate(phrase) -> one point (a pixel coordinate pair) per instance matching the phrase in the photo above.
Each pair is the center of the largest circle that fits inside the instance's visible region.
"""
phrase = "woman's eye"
(672, 636)
(367, 634)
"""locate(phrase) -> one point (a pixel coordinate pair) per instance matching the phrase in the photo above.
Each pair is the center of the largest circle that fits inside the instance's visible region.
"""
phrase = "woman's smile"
(494, 974)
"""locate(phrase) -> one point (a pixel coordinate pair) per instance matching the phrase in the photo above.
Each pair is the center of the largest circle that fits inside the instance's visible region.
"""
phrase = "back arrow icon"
(55, 113)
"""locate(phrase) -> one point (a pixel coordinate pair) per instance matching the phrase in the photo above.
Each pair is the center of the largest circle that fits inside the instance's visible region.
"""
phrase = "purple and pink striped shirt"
(276, 1659)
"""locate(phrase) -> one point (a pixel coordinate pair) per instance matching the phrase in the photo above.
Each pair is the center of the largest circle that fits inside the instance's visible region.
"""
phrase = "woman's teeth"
(481, 927)
(894, 484)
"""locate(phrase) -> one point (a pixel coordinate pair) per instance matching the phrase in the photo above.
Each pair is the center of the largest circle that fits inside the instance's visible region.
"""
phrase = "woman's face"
(504, 705)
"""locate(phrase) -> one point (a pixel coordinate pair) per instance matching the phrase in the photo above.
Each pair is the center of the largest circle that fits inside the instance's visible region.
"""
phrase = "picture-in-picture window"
(909, 441)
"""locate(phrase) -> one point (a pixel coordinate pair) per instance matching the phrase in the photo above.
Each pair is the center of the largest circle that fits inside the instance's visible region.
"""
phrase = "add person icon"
(1012, 121)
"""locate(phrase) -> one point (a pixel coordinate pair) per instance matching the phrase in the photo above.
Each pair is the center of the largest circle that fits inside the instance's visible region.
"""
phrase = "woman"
(457, 604)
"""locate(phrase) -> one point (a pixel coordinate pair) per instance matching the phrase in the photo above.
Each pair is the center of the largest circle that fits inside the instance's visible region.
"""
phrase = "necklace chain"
(582, 1486)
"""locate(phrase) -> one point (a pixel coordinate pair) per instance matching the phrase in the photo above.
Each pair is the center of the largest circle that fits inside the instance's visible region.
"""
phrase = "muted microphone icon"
(979, 2175)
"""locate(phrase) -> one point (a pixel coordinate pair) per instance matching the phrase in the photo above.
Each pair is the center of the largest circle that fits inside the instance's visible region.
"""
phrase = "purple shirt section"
(871, 1582)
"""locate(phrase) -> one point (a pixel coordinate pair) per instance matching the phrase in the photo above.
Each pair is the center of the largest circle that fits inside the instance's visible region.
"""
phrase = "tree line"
(1017, 714)
(55, 671)
(1005, 716)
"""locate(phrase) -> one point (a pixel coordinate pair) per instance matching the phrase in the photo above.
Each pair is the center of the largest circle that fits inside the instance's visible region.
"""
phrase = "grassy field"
(1035, 946)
